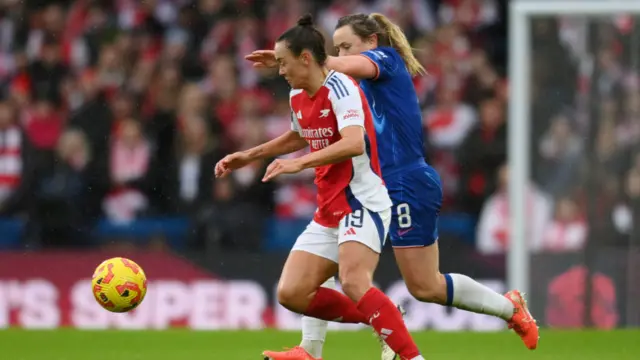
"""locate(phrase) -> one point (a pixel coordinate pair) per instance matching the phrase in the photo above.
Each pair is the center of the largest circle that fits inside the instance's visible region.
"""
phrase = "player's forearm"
(284, 144)
(340, 151)
(357, 66)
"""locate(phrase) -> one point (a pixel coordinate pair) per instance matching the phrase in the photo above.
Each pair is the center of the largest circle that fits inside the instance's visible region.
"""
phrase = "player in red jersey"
(330, 113)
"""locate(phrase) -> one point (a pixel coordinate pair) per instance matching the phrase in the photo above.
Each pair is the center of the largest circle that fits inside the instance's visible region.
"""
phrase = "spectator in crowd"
(494, 227)
(628, 122)
(561, 153)
(447, 124)
(43, 124)
(230, 223)
(568, 229)
(483, 79)
(555, 76)
(633, 192)
(131, 173)
(189, 176)
(480, 155)
(625, 214)
(160, 107)
(611, 159)
(67, 200)
(94, 116)
(449, 121)
(15, 169)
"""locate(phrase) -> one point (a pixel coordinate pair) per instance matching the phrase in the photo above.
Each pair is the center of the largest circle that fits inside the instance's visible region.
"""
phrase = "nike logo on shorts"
(404, 232)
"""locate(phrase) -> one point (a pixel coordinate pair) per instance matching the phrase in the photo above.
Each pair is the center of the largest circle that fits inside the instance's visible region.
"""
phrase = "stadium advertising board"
(51, 290)
(559, 285)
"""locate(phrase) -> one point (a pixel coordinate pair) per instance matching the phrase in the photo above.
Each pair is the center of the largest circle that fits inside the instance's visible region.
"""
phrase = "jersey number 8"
(404, 215)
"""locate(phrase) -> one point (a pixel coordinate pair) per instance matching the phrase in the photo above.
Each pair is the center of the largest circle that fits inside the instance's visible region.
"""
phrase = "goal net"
(574, 166)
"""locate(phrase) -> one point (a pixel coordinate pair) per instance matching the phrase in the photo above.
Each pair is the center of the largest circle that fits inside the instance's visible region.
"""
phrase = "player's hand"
(231, 162)
(281, 166)
(263, 59)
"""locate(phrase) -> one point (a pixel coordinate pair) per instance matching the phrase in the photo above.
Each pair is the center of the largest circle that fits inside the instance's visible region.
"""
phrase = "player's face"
(347, 42)
(295, 69)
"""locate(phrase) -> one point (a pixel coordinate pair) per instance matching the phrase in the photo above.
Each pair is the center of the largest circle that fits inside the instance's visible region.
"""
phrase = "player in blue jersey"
(373, 49)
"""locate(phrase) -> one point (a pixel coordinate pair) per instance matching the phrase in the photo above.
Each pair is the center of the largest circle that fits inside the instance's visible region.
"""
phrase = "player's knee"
(428, 289)
(354, 283)
(423, 293)
(292, 297)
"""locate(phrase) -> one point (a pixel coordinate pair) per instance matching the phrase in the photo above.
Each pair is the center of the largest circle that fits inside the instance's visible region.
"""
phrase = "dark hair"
(304, 36)
(388, 34)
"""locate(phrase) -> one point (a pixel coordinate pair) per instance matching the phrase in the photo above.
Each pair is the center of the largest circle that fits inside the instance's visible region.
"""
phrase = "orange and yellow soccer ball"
(119, 285)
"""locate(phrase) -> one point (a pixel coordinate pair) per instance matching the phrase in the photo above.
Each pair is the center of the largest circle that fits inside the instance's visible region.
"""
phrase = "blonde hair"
(399, 41)
(388, 34)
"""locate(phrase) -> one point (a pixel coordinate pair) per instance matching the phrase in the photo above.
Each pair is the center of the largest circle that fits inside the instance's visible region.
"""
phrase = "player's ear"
(306, 57)
(372, 40)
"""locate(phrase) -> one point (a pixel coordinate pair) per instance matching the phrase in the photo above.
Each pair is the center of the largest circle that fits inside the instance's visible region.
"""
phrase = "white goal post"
(518, 147)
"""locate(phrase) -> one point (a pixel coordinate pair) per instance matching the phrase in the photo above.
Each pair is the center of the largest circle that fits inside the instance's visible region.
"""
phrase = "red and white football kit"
(353, 203)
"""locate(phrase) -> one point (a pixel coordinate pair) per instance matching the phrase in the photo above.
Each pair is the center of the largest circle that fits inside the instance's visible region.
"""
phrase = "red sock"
(387, 321)
(332, 305)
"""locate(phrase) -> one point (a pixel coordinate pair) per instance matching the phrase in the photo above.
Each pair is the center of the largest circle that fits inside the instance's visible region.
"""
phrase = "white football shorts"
(366, 227)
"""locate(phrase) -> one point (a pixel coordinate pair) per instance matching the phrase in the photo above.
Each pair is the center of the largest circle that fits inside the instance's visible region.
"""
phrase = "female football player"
(330, 113)
(374, 50)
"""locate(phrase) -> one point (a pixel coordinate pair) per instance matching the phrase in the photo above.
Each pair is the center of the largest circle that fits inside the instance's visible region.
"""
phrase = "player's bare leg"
(420, 269)
(302, 275)
(357, 265)
(299, 291)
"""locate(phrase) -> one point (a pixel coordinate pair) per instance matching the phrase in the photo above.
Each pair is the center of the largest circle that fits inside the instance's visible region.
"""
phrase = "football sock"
(331, 305)
(465, 293)
(313, 347)
(387, 321)
(314, 331)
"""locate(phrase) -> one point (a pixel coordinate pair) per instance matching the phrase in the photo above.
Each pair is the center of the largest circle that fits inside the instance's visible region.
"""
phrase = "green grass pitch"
(186, 345)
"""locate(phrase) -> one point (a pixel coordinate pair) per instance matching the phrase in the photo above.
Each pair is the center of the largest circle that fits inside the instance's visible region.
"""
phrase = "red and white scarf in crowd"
(503, 233)
(10, 160)
(127, 164)
(566, 235)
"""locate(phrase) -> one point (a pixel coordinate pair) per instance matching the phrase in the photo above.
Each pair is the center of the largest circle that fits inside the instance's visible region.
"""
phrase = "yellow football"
(119, 284)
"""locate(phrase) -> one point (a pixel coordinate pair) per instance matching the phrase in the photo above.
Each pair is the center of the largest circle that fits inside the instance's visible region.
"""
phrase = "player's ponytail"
(399, 41)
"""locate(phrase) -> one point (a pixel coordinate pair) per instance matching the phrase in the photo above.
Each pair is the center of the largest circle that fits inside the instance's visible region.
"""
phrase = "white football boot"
(387, 353)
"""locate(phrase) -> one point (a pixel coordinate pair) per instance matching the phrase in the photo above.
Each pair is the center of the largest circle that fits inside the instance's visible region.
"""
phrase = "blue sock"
(449, 282)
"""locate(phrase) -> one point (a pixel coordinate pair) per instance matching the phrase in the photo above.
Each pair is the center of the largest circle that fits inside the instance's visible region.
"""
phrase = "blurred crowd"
(585, 131)
(119, 109)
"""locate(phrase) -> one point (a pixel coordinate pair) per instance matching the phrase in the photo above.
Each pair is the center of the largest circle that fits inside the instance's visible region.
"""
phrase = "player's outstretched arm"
(351, 145)
(357, 66)
(284, 144)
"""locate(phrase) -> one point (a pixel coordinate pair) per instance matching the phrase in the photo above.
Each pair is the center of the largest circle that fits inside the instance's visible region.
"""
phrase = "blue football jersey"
(396, 112)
